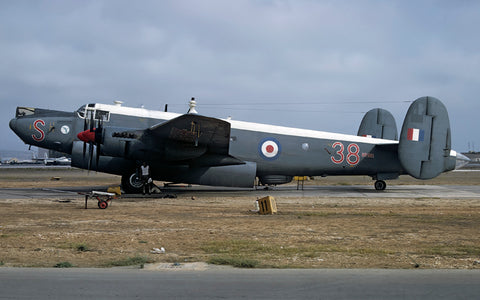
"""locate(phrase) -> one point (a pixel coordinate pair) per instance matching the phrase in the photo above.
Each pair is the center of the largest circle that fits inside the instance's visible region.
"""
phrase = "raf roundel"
(269, 148)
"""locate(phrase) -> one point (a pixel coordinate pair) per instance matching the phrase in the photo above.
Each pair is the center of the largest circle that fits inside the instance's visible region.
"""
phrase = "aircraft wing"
(203, 141)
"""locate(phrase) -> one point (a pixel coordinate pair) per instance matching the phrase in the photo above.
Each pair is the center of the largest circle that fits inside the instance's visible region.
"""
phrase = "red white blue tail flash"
(415, 134)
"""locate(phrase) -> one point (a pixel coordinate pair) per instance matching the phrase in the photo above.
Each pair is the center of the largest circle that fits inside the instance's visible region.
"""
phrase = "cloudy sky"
(310, 64)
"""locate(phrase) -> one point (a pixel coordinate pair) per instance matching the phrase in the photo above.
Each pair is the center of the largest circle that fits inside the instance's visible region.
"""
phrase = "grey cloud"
(61, 54)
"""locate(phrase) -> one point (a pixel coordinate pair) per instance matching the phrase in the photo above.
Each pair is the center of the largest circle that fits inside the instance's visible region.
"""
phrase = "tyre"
(380, 185)
(102, 204)
(132, 184)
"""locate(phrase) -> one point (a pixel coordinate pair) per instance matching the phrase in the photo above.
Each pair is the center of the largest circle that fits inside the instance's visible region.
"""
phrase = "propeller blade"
(97, 157)
(85, 126)
(90, 156)
(99, 132)
(98, 140)
(92, 126)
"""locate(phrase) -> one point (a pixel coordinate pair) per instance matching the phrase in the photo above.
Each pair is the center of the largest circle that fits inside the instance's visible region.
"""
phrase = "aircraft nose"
(13, 124)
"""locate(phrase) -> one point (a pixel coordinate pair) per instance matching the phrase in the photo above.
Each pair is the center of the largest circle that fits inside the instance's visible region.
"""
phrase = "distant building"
(42, 153)
(45, 153)
(474, 157)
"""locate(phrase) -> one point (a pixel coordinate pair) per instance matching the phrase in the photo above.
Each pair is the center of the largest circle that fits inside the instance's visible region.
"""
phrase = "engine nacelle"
(112, 165)
(122, 142)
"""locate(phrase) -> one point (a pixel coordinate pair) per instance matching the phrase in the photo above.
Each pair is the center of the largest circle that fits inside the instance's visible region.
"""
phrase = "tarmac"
(344, 191)
(26, 283)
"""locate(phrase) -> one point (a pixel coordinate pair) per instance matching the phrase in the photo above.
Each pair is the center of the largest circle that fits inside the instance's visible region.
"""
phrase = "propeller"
(92, 137)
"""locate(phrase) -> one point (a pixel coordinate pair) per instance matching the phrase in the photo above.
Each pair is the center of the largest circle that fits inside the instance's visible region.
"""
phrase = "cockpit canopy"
(24, 111)
(90, 111)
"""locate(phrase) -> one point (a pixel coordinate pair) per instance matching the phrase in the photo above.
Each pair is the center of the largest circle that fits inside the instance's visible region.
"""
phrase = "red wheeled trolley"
(103, 198)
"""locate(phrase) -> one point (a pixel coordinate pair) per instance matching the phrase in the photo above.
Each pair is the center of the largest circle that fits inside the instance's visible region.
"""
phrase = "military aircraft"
(196, 149)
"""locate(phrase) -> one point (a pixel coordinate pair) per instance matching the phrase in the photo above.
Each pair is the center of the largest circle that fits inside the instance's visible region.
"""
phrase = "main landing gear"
(380, 185)
(132, 184)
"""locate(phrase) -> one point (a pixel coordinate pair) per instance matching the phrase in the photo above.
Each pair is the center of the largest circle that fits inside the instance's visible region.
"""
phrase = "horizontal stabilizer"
(378, 123)
(425, 142)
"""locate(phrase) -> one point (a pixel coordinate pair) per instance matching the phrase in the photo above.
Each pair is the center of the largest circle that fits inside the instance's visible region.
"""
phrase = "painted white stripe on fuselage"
(137, 112)
(273, 129)
(248, 126)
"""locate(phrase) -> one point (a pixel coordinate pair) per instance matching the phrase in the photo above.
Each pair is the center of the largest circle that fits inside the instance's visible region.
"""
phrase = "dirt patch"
(313, 232)
(53, 177)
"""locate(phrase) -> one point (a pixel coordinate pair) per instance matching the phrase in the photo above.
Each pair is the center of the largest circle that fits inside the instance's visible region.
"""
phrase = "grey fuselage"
(274, 153)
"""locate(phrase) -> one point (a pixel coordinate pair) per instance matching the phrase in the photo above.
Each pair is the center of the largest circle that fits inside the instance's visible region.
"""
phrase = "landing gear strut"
(380, 185)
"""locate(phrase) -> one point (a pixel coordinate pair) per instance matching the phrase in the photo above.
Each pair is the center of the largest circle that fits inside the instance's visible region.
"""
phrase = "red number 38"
(351, 156)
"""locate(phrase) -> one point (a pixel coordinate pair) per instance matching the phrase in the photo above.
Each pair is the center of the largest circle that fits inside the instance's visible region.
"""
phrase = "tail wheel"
(380, 185)
(132, 184)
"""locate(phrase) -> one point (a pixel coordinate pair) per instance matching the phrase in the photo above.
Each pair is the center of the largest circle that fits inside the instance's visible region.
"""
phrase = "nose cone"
(19, 126)
(13, 125)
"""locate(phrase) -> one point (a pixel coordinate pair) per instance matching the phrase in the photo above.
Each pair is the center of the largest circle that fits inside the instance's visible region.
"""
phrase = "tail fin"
(378, 123)
(425, 142)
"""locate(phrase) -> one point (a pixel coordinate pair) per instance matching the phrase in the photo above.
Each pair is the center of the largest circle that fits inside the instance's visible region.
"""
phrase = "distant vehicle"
(63, 161)
(190, 148)
(16, 161)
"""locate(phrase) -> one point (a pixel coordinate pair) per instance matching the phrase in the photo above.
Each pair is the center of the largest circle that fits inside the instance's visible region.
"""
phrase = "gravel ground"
(307, 232)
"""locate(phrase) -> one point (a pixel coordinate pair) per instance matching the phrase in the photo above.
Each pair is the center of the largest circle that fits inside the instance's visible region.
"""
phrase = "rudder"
(425, 141)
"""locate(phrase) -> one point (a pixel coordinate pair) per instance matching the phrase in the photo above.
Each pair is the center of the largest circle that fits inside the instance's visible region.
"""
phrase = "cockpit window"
(81, 112)
(89, 112)
(24, 111)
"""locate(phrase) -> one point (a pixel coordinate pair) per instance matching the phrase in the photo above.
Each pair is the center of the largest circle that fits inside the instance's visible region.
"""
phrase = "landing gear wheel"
(380, 185)
(132, 184)
(102, 204)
